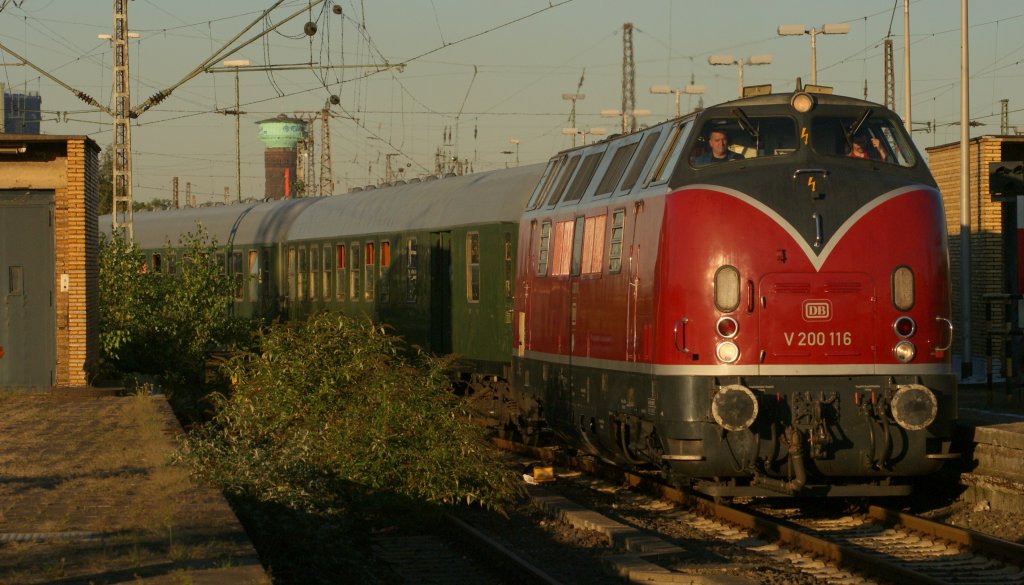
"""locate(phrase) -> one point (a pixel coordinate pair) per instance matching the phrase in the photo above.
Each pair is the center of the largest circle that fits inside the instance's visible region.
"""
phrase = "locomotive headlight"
(734, 407)
(914, 407)
(727, 352)
(802, 102)
(904, 351)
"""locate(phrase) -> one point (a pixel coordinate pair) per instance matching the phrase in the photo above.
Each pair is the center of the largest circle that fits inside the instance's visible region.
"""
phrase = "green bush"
(165, 324)
(331, 412)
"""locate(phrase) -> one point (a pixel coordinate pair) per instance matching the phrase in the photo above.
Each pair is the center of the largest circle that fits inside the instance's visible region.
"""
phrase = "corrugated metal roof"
(442, 203)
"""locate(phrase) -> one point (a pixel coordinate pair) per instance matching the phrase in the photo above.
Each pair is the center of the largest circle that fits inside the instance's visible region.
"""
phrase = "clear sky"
(481, 72)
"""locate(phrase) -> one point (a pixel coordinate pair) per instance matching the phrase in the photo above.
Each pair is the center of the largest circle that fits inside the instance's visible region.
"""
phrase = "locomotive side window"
(563, 179)
(638, 163)
(577, 246)
(473, 267)
(370, 262)
(385, 265)
(583, 178)
(875, 138)
(616, 168)
(593, 244)
(339, 273)
(562, 255)
(743, 137)
(545, 183)
(615, 242)
(412, 268)
(544, 248)
(670, 153)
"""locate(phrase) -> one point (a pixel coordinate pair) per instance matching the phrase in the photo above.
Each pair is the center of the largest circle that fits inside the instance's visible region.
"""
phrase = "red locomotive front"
(762, 309)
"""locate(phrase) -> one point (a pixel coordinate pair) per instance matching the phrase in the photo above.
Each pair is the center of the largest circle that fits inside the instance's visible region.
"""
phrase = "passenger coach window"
(370, 261)
(290, 271)
(735, 138)
(412, 268)
(339, 273)
(639, 162)
(473, 267)
(303, 270)
(354, 273)
(314, 270)
(326, 282)
(385, 265)
(254, 274)
(238, 274)
(877, 138)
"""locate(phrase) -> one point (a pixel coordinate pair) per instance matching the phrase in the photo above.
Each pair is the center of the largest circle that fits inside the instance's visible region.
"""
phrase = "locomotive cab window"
(743, 137)
(864, 136)
(546, 180)
(669, 154)
(563, 179)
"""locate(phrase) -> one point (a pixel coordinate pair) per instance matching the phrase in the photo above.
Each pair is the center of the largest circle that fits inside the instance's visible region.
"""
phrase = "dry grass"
(102, 465)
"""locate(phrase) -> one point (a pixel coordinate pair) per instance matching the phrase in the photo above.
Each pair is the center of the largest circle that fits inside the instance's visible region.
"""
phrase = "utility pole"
(121, 217)
(174, 193)
(628, 79)
(1004, 116)
(326, 172)
(236, 63)
(890, 77)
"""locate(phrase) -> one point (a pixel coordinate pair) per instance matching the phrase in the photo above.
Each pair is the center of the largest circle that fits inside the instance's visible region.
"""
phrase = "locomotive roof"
(494, 196)
(243, 224)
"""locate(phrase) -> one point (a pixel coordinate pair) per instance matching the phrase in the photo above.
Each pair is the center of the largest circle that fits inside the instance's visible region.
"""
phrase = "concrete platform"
(991, 437)
(89, 494)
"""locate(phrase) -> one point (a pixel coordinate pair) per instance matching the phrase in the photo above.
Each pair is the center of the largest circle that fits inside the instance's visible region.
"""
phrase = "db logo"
(817, 310)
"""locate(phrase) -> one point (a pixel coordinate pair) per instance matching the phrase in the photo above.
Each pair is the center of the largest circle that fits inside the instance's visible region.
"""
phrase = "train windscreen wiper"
(746, 124)
(852, 131)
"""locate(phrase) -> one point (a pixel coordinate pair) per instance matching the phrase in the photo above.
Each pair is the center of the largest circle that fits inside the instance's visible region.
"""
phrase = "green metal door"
(441, 292)
(28, 352)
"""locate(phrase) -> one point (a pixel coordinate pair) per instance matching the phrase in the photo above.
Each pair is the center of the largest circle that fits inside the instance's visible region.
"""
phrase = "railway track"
(877, 545)
(456, 552)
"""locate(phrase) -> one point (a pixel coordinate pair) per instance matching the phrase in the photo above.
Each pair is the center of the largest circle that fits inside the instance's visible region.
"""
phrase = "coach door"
(632, 270)
(27, 322)
(441, 292)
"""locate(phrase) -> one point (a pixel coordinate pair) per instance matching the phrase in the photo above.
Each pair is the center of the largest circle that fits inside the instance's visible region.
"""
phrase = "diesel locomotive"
(750, 300)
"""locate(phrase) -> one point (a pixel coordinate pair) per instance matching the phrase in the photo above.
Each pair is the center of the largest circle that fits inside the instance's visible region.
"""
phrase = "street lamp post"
(624, 116)
(237, 64)
(787, 30)
(689, 90)
(515, 141)
(584, 132)
(728, 60)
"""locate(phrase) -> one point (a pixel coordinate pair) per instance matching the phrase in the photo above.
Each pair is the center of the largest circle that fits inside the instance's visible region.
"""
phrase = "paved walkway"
(88, 494)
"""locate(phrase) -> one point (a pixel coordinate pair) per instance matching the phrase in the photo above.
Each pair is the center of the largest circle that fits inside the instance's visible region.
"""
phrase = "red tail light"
(904, 327)
(727, 327)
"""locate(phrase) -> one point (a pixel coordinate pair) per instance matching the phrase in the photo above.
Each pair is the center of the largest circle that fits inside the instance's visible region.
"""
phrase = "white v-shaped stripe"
(817, 260)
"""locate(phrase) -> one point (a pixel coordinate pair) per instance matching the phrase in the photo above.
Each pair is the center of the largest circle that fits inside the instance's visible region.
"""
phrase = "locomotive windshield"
(742, 137)
(864, 137)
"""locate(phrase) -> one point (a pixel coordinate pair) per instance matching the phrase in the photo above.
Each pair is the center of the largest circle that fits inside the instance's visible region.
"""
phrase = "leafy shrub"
(331, 412)
(166, 323)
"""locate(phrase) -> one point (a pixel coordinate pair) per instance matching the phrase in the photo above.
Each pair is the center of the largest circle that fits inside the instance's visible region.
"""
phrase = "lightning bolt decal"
(810, 183)
(804, 134)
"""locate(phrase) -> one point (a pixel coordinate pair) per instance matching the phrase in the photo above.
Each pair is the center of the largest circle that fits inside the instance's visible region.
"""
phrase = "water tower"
(279, 135)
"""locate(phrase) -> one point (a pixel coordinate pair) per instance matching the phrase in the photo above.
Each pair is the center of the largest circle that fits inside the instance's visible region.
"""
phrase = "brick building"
(994, 240)
(49, 316)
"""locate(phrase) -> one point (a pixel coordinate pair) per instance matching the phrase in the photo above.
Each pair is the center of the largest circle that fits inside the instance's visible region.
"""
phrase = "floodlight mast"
(787, 30)
(728, 60)
(690, 89)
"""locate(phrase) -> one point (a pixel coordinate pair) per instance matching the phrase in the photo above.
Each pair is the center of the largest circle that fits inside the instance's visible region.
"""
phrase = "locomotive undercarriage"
(755, 436)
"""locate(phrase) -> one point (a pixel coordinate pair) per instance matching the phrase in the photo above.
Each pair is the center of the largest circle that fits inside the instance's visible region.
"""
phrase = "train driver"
(864, 147)
(718, 143)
